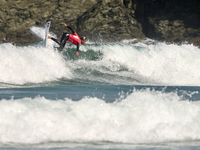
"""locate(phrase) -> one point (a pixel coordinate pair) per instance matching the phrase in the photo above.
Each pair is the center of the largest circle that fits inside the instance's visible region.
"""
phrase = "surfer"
(73, 38)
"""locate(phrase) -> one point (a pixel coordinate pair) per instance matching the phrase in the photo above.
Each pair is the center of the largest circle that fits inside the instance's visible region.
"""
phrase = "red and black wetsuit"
(73, 38)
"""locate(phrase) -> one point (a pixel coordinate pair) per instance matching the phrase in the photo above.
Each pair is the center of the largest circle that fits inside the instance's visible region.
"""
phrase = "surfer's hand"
(65, 24)
(77, 53)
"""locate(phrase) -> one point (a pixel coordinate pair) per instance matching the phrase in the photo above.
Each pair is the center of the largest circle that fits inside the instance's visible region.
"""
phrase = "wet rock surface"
(102, 20)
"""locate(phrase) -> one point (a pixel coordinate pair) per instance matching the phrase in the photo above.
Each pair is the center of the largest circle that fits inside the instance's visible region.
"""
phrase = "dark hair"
(83, 38)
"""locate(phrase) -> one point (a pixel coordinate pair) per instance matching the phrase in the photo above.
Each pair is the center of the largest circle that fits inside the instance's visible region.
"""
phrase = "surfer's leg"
(55, 40)
(63, 36)
(63, 41)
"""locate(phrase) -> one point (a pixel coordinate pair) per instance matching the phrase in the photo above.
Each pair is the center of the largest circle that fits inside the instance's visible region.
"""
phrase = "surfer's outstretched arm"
(77, 48)
(77, 53)
(69, 28)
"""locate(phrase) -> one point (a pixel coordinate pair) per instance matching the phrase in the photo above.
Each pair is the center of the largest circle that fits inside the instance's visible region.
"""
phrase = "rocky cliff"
(107, 20)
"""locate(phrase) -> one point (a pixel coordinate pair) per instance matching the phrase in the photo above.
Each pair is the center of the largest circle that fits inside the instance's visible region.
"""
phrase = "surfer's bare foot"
(49, 37)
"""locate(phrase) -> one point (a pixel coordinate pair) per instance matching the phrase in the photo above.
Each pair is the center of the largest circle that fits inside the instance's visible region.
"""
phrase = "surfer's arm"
(78, 45)
(77, 53)
(69, 28)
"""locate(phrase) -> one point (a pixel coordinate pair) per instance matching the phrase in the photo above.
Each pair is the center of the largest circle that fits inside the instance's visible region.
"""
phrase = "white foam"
(146, 62)
(31, 64)
(143, 117)
(141, 63)
(40, 32)
(159, 63)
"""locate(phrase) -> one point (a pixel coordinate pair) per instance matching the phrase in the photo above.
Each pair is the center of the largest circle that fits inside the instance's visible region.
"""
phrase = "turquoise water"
(114, 96)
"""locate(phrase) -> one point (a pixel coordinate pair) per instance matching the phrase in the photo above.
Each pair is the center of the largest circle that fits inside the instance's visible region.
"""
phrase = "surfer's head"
(83, 40)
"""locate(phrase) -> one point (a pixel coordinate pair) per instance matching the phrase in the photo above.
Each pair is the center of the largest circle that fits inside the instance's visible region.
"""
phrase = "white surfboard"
(47, 26)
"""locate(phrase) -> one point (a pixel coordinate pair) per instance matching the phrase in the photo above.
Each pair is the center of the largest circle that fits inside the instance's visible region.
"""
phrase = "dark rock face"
(171, 20)
(107, 20)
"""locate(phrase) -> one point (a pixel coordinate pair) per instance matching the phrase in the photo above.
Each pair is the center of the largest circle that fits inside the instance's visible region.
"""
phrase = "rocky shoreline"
(103, 20)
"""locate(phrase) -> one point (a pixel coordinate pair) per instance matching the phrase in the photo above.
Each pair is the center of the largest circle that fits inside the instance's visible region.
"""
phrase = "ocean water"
(114, 96)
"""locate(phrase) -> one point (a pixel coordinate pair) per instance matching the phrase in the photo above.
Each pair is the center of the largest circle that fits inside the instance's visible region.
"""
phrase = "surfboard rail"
(47, 26)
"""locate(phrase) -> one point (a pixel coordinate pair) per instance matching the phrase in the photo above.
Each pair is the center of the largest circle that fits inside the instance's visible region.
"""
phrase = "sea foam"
(144, 116)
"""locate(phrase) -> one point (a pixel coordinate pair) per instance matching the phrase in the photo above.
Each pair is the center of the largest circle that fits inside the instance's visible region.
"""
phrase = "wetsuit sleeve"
(71, 29)
(78, 47)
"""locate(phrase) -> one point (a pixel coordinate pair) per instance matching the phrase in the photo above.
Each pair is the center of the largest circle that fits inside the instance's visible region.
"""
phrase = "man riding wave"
(73, 38)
